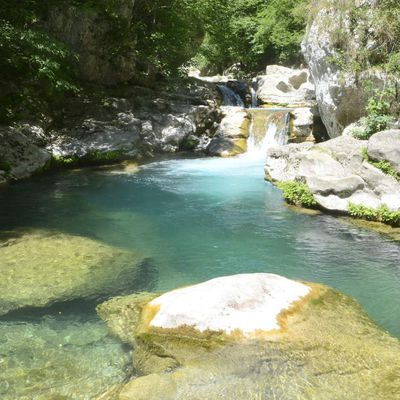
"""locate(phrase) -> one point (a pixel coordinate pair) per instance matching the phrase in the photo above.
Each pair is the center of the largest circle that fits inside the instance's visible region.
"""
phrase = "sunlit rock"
(281, 85)
(385, 146)
(336, 173)
(230, 138)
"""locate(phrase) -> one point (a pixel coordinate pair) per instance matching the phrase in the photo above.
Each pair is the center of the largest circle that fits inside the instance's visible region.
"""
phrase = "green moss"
(5, 166)
(383, 165)
(381, 214)
(297, 193)
(94, 157)
(189, 144)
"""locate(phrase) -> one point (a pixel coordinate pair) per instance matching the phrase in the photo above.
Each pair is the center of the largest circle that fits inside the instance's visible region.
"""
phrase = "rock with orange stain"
(254, 336)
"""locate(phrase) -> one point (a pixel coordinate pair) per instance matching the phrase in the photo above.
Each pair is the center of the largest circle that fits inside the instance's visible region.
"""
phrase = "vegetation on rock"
(383, 165)
(378, 112)
(297, 193)
(381, 214)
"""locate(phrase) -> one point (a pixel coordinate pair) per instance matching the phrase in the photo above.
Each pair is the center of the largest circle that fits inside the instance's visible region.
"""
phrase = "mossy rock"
(326, 348)
(42, 267)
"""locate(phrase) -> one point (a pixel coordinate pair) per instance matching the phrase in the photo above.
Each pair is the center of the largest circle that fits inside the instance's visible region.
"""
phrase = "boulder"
(336, 172)
(302, 125)
(41, 268)
(385, 146)
(254, 336)
(281, 85)
(231, 136)
(20, 157)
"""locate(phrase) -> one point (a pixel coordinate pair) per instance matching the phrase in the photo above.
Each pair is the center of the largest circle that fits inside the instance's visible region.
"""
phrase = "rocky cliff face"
(91, 36)
(138, 123)
(340, 87)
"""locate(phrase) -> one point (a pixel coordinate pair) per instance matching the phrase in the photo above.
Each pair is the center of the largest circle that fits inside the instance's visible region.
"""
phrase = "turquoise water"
(201, 218)
(193, 219)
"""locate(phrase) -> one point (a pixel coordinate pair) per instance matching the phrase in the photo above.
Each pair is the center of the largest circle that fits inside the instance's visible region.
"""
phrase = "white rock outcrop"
(336, 172)
(245, 302)
(281, 85)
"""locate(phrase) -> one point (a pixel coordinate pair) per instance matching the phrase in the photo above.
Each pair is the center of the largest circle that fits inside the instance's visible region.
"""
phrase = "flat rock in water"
(245, 302)
(311, 342)
(42, 268)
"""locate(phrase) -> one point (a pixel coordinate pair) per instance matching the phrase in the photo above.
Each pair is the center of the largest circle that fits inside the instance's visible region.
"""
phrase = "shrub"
(297, 193)
(381, 214)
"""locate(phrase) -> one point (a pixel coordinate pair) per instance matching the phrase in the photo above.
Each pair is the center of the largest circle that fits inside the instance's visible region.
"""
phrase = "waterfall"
(253, 91)
(268, 128)
(230, 97)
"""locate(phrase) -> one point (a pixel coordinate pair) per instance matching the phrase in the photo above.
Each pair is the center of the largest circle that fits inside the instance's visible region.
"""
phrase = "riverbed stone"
(323, 347)
(44, 267)
(60, 356)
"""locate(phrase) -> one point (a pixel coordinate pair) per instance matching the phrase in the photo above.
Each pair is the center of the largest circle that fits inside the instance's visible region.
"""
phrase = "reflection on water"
(195, 220)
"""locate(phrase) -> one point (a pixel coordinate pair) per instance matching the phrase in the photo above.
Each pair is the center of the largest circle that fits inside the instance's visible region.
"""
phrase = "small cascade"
(253, 91)
(268, 128)
(230, 97)
(254, 99)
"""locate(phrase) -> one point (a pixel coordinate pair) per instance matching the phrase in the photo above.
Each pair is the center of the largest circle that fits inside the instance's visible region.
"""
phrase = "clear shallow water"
(197, 219)
(202, 218)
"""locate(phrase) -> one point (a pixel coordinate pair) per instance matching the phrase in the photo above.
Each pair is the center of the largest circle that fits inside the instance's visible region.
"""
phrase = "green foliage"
(381, 214)
(378, 111)
(383, 165)
(5, 166)
(297, 193)
(251, 32)
(94, 157)
(35, 68)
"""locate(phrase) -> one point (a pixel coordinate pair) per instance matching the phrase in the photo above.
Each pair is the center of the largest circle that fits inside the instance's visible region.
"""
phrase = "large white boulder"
(245, 302)
(385, 146)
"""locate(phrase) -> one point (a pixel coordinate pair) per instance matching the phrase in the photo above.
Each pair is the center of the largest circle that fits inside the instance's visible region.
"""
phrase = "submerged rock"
(254, 336)
(42, 268)
(59, 357)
